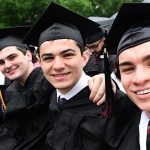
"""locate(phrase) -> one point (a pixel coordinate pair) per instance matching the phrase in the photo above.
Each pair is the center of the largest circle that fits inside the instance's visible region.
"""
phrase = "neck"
(24, 77)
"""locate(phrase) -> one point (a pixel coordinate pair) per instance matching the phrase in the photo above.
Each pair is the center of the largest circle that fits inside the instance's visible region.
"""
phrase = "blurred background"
(25, 12)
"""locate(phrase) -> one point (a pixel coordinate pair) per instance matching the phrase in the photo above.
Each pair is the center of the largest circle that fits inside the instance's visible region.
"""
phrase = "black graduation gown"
(78, 124)
(122, 131)
(26, 120)
(95, 65)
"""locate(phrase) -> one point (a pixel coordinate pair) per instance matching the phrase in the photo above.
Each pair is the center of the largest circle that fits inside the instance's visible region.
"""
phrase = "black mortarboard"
(55, 17)
(130, 28)
(96, 36)
(13, 36)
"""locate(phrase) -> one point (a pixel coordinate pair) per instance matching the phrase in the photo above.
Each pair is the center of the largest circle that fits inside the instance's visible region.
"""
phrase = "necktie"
(148, 137)
(61, 101)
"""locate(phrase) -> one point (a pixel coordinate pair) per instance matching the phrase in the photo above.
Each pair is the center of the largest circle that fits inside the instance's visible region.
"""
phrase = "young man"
(62, 56)
(130, 32)
(26, 115)
(95, 43)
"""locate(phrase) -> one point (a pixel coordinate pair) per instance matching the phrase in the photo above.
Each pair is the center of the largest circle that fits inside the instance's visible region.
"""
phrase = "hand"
(97, 87)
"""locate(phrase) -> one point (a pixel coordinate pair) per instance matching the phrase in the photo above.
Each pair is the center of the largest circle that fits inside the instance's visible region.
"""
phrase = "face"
(96, 47)
(62, 63)
(14, 64)
(134, 66)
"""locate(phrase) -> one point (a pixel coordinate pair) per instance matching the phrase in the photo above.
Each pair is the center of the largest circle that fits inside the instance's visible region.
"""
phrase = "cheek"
(44, 67)
(125, 81)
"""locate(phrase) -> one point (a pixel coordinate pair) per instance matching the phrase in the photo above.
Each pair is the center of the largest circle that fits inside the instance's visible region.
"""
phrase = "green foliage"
(26, 12)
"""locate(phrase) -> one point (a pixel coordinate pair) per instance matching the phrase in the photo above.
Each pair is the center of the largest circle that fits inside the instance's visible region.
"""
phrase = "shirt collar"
(82, 83)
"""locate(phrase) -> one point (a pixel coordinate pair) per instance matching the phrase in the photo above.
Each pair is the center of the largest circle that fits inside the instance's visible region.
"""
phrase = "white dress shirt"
(143, 130)
(82, 83)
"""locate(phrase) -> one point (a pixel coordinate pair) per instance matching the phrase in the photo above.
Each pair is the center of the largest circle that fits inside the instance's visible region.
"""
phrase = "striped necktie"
(61, 101)
(148, 137)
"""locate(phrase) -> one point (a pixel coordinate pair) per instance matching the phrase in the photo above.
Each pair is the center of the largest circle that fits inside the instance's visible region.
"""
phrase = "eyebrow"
(147, 57)
(127, 63)
(8, 56)
(63, 52)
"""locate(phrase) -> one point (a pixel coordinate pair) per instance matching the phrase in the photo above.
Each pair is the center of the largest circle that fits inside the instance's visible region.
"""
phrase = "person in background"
(95, 43)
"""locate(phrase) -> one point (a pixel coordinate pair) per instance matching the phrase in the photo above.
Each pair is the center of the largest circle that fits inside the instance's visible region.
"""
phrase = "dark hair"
(22, 50)
(81, 47)
(34, 58)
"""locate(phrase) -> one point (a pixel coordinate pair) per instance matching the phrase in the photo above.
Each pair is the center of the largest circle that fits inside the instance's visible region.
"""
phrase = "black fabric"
(26, 120)
(133, 37)
(99, 34)
(122, 132)
(61, 31)
(13, 37)
(58, 14)
(78, 124)
(130, 15)
(95, 65)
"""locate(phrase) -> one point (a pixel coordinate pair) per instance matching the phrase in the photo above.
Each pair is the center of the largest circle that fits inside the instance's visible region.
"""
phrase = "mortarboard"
(56, 17)
(130, 28)
(13, 36)
(96, 36)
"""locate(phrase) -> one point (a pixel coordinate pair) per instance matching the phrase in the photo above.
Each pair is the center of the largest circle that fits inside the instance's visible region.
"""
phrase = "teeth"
(143, 92)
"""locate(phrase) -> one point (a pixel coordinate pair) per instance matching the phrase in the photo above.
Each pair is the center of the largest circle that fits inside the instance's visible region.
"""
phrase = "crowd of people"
(55, 88)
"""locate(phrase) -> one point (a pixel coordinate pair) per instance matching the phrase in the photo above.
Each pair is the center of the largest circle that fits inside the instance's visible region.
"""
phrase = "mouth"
(60, 74)
(146, 91)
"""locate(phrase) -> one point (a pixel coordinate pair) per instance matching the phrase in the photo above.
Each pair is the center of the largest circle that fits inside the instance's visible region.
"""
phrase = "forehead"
(139, 52)
(58, 45)
(8, 51)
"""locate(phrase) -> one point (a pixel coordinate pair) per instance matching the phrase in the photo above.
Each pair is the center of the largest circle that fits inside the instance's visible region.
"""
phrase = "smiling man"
(130, 35)
(78, 123)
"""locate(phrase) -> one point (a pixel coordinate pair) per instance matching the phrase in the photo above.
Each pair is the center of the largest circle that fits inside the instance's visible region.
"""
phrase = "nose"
(58, 63)
(7, 64)
(141, 76)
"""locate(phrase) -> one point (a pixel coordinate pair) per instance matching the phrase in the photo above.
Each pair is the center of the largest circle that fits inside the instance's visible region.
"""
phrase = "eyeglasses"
(93, 45)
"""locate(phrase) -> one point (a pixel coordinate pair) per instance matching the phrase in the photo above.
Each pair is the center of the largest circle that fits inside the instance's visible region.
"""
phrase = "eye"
(12, 57)
(47, 58)
(1, 62)
(127, 69)
(68, 55)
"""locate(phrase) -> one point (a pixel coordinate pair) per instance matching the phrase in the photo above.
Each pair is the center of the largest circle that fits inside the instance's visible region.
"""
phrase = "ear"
(85, 57)
(29, 55)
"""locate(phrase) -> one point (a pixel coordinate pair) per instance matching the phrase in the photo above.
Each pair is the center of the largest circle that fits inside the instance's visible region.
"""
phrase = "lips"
(60, 74)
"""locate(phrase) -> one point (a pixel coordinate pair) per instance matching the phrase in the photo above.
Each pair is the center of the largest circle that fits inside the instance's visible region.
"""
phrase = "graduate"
(60, 36)
(25, 119)
(129, 37)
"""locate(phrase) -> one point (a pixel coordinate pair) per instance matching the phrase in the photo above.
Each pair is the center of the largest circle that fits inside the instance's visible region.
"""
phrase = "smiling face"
(134, 66)
(62, 63)
(14, 64)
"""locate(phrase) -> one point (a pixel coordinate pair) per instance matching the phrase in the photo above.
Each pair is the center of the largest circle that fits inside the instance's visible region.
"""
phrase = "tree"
(26, 12)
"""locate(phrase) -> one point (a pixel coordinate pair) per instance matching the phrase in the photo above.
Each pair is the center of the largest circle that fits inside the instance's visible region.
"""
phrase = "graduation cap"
(13, 36)
(130, 28)
(60, 23)
(96, 36)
